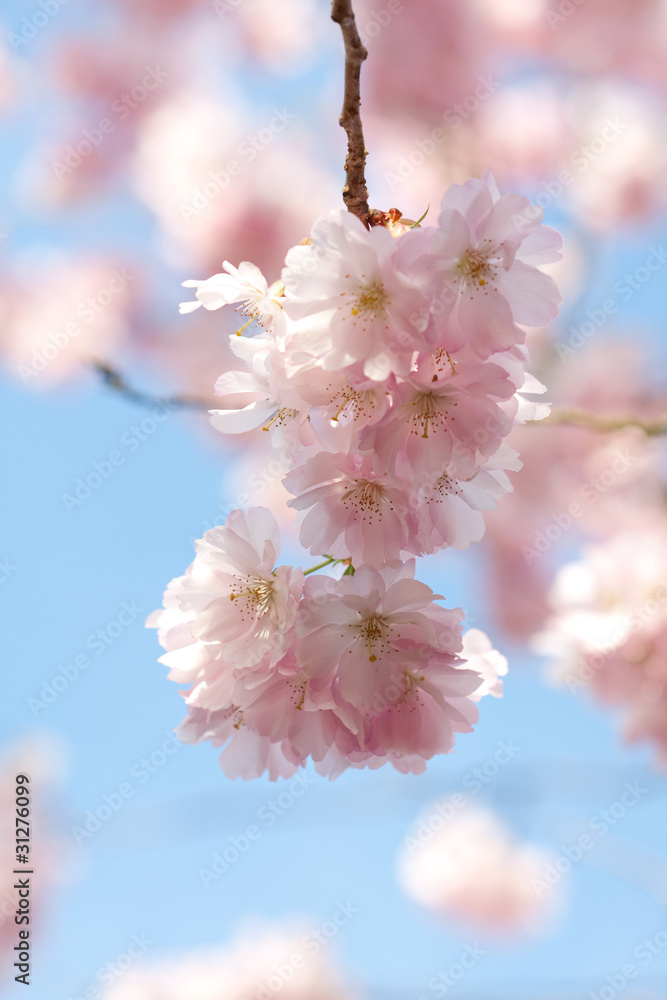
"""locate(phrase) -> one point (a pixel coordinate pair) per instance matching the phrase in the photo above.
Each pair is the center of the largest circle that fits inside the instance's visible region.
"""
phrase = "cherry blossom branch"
(114, 380)
(604, 422)
(355, 192)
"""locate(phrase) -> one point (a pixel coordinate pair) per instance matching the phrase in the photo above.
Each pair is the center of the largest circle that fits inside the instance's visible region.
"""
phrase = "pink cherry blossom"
(231, 606)
(383, 657)
(443, 418)
(450, 511)
(349, 300)
(483, 261)
(245, 284)
(352, 509)
(246, 753)
(250, 390)
(260, 396)
(348, 398)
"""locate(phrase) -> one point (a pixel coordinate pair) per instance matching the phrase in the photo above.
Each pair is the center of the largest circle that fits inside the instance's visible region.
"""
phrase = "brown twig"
(355, 192)
(604, 422)
(114, 380)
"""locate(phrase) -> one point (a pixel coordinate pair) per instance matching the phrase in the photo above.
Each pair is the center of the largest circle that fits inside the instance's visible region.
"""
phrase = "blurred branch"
(355, 192)
(114, 380)
(604, 422)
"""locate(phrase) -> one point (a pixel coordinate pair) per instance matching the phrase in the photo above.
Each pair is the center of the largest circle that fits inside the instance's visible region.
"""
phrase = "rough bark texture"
(355, 193)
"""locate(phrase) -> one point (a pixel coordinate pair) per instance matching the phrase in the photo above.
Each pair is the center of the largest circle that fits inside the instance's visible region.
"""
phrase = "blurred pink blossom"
(423, 57)
(575, 481)
(79, 310)
(472, 869)
(250, 965)
(284, 39)
(608, 629)
(224, 184)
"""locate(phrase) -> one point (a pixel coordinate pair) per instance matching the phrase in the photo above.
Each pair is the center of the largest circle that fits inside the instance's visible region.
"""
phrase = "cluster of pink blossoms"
(391, 365)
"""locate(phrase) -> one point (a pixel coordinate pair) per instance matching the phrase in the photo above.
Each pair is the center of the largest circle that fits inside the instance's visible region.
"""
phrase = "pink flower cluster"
(356, 671)
(391, 365)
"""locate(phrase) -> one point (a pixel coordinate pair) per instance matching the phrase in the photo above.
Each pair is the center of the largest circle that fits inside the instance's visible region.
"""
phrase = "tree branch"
(114, 380)
(604, 422)
(355, 192)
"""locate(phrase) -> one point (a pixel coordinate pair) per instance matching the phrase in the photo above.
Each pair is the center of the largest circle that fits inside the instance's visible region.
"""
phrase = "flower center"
(403, 692)
(366, 498)
(281, 417)
(256, 304)
(359, 403)
(427, 408)
(298, 686)
(443, 487)
(371, 299)
(474, 267)
(256, 600)
(373, 632)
